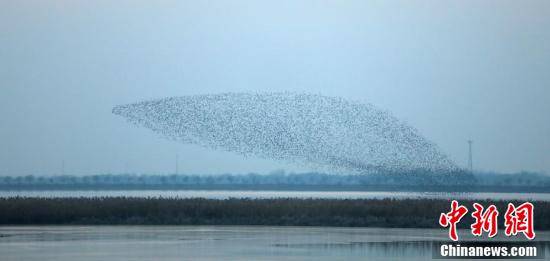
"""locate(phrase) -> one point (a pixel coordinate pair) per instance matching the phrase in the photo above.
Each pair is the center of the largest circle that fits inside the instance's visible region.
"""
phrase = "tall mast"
(470, 163)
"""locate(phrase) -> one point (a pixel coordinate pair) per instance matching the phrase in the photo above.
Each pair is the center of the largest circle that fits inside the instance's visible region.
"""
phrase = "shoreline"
(269, 187)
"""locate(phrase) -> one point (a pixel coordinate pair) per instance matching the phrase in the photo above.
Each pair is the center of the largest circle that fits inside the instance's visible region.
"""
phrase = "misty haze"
(271, 130)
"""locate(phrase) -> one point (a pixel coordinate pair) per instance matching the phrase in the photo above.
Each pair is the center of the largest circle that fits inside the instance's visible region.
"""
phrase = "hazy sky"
(453, 69)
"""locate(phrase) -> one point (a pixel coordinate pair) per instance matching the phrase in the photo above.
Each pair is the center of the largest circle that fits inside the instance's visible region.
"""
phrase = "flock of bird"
(293, 127)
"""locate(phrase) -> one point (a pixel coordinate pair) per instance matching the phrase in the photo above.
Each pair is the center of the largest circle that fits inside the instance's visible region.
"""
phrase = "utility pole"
(470, 163)
(177, 159)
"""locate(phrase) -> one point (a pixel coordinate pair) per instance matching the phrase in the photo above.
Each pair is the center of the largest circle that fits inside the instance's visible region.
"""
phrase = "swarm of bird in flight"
(292, 127)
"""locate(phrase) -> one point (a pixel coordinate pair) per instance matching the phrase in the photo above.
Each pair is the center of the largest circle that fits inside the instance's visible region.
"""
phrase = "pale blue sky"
(453, 69)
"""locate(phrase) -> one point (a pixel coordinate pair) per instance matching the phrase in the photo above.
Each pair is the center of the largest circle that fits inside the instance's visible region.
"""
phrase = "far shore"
(275, 187)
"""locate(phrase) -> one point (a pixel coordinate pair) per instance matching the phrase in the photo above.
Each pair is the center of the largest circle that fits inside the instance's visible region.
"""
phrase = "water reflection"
(376, 249)
(62, 243)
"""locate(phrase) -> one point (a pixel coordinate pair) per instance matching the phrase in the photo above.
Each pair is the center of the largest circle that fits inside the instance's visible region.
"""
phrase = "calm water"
(223, 194)
(64, 243)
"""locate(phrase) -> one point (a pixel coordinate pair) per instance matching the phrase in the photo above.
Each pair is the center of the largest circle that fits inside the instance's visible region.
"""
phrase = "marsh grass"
(405, 213)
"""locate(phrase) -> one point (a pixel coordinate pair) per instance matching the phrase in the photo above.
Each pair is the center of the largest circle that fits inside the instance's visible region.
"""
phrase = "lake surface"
(64, 243)
(224, 194)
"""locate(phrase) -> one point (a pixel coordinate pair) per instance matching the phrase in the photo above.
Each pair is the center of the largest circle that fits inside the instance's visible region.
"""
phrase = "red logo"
(452, 218)
(484, 221)
(517, 220)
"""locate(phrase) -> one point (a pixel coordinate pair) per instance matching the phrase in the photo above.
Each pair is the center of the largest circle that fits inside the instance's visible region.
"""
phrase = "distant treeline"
(524, 181)
(407, 213)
